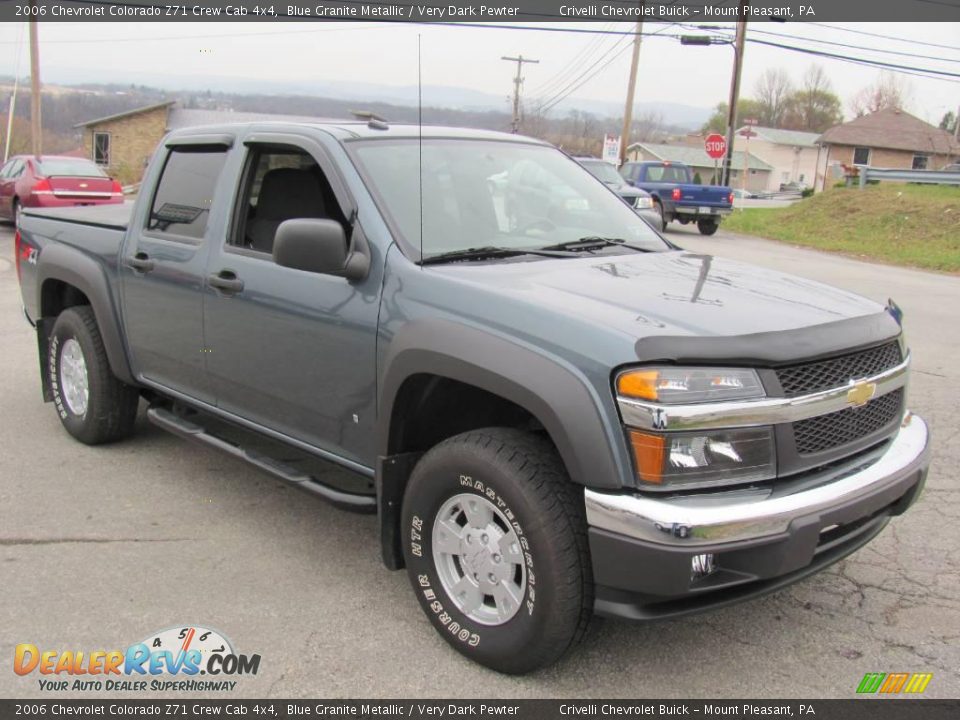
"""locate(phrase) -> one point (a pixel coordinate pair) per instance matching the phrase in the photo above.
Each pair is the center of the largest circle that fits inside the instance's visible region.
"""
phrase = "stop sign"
(715, 145)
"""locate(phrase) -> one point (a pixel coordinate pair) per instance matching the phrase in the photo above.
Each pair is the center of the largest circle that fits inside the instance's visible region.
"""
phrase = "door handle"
(141, 262)
(227, 281)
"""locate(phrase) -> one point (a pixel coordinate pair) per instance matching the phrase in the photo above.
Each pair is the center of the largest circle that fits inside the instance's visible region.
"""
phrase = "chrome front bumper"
(686, 522)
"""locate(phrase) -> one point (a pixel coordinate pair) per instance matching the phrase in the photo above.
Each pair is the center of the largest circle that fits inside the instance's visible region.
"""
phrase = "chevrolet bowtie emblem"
(860, 393)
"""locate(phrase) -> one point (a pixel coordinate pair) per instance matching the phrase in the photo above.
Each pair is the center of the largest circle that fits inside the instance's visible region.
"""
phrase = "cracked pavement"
(101, 546)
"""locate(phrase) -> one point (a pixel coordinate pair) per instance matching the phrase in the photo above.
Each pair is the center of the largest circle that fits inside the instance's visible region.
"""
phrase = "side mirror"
(312, 245)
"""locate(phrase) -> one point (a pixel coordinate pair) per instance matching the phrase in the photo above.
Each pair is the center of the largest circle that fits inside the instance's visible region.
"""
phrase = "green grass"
(913, 225)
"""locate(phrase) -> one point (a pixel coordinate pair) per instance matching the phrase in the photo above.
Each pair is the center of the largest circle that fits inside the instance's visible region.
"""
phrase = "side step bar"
(191, 431)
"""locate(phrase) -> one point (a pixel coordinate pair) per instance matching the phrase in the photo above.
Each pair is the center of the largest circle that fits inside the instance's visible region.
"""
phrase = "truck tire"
(707, 227)
(658, 209)
(94, 406)
(494, 537)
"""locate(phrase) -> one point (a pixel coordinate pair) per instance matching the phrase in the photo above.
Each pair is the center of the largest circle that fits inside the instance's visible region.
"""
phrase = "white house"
(791, 153)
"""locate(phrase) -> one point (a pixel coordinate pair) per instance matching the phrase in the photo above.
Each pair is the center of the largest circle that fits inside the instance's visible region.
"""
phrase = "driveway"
(100, 547)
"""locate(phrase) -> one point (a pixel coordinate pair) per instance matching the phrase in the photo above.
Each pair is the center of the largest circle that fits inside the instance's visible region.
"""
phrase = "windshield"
(480, 193)
(603, 171)
(52, 167)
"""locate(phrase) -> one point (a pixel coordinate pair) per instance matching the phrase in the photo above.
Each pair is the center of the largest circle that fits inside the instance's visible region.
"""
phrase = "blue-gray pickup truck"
(553, 411)
(677, 197)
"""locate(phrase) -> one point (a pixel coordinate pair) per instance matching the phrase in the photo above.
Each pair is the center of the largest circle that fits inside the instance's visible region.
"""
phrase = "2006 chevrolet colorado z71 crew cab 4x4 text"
(553, 410)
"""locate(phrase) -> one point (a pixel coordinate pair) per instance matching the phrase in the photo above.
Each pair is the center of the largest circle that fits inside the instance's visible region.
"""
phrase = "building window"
(101, 148)
(861, 156)
(920, 162)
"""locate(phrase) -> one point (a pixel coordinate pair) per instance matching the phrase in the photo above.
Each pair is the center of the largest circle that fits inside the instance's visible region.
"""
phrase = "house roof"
(894, 130)
(796, 138)
(697, 156)
(127, 113)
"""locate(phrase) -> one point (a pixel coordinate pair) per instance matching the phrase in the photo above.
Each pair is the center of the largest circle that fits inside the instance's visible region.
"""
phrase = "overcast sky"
(470, 57)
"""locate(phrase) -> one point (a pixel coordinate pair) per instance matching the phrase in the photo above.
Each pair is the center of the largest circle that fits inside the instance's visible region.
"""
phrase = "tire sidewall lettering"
(418, 537)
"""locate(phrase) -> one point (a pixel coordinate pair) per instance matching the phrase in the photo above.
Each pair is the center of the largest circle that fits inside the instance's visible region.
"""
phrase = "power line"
(885, 37)
(570, 67)
(853, 47)
(553, 102)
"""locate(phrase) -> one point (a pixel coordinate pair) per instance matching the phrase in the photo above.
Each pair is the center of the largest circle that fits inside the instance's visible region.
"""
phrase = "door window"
(282, 182)
(181, 205)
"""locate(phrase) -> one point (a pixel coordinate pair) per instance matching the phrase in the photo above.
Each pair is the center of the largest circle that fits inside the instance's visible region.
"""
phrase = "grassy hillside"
(916, 225)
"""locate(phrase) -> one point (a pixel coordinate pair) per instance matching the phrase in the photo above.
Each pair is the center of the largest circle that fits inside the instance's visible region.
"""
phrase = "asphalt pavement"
(101, 547)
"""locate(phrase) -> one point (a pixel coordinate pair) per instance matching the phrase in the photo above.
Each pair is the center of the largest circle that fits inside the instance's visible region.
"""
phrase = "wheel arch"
(66, 277)
(524, 384)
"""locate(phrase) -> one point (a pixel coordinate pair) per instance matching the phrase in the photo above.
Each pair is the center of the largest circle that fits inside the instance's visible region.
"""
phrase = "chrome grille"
(848, 425)
(838, 371)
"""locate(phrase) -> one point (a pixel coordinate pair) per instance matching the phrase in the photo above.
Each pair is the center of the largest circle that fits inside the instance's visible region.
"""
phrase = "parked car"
(636, 198)
(741, 194)
(677, 197)
(551, 419)
(794, 186)
(53, 181)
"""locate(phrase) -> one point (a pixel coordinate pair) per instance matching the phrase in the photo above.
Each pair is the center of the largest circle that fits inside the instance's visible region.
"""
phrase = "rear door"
(8, 181)
(164, 265)
(290, 350)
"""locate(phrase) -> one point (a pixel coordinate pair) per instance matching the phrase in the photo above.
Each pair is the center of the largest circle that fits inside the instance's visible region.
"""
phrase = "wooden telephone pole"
(35, 121)
(631, 90)
(517, 82)
(738, 45)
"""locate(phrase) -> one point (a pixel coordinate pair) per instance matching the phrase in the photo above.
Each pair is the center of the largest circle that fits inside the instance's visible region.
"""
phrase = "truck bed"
(115, 217)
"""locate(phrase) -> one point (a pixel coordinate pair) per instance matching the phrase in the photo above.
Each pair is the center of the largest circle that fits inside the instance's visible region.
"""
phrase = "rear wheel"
(707, 227)
(94, 406)
(495, 544)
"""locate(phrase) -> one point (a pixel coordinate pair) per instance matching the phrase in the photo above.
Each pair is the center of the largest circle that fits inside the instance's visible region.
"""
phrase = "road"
(100, 547)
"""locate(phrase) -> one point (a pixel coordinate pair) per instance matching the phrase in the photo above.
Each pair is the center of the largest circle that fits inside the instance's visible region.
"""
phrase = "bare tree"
(647, 126)
(888, 91)
(772, 93)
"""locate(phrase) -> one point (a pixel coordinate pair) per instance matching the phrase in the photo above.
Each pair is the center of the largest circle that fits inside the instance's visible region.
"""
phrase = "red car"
(53, 181)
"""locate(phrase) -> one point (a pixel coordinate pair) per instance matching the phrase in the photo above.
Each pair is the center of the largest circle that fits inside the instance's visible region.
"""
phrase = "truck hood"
(675, 293)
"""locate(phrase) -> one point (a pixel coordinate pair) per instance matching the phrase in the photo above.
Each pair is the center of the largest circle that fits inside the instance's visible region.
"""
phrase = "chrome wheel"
(74, 382)
(478, 559)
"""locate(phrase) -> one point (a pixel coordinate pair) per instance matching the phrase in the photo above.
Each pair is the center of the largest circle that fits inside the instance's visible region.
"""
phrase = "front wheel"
(94, 406)
(707, 227)
(17, 213)
(658, 209)
(494, 537)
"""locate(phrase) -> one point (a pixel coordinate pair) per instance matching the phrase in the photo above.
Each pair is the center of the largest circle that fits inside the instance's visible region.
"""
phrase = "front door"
(291, 350)
(164, 269)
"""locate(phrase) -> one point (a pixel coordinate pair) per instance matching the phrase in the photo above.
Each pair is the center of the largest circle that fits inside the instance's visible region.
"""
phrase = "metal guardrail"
(932, 177)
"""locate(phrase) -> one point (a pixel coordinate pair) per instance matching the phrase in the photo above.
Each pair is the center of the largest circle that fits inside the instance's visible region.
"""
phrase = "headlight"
(704, 459)
(689, 384)
(644, 202)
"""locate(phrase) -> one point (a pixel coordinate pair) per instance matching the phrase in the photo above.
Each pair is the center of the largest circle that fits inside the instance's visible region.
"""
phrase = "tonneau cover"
(115, 216)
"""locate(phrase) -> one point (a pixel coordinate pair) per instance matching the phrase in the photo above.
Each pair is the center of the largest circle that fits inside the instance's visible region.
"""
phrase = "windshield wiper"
(594, 242)
(488, 252)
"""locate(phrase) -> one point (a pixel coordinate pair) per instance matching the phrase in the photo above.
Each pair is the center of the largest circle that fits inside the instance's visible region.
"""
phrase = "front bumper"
(642, 546)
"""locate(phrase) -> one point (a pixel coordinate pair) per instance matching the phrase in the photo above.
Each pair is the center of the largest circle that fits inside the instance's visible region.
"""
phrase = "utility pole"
(35, 124)
(517, 81)
(735, 89)
(956, 125)
(631, 89)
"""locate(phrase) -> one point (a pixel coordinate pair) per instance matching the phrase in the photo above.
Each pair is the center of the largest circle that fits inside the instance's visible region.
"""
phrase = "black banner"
(482, 11)
(519, 709)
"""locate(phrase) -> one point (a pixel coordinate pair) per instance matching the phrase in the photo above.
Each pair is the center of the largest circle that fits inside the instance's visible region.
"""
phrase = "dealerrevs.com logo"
(169, 660)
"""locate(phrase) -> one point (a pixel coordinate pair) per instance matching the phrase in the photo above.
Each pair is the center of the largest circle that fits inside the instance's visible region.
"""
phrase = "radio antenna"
(420, 141)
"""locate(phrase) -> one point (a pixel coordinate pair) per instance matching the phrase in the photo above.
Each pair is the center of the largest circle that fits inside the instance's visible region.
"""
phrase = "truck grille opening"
(848, 425)
(836, 372)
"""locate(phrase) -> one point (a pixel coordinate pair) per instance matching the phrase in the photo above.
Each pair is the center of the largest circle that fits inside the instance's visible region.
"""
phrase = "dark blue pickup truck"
(677, 197)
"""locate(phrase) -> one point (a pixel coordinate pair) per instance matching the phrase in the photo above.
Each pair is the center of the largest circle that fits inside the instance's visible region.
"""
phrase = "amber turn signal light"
(648, 453)
(641, 384)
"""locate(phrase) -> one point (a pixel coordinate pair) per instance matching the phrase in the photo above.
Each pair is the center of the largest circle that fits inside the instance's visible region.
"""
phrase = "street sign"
(715, 145)
(750, 121)
(611, 149)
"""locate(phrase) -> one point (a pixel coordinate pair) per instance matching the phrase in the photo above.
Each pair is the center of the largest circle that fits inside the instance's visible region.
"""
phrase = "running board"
(177, 425)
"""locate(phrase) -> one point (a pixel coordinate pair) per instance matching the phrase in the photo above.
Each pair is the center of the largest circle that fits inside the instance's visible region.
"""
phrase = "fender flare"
(559, 398)
(69, 265)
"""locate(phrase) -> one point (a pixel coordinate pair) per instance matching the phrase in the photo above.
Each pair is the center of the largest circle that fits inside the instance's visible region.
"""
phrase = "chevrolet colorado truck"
(677, 197)
(553, 418)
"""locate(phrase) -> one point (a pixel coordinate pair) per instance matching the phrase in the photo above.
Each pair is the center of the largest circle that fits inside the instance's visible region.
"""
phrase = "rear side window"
(181, 205)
